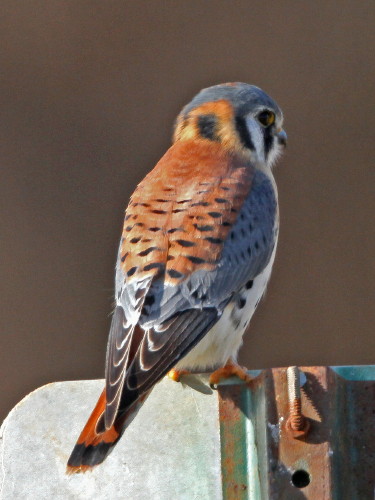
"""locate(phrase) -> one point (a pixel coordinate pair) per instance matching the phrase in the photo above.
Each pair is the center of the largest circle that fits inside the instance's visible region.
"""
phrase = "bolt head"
(297, 433)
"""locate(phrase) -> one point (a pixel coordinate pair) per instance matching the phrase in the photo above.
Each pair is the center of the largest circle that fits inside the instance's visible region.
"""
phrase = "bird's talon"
(176, 375)
(229, 370)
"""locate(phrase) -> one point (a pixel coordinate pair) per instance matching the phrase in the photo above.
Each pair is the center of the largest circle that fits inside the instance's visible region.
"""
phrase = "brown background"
(89, 91)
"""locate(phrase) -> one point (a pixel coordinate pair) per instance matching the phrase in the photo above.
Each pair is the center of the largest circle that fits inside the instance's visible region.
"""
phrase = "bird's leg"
(177, 374)
(230, 369)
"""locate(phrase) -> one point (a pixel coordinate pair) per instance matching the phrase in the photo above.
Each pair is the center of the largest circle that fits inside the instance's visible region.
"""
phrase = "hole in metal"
(300, 478)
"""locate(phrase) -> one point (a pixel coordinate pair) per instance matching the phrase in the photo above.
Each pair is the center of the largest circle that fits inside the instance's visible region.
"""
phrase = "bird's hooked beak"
(282, 138)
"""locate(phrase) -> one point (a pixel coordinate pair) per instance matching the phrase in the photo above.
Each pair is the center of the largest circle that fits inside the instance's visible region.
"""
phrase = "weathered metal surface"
(309, 454)
(193, 443)
(171, 451)
(333, 458)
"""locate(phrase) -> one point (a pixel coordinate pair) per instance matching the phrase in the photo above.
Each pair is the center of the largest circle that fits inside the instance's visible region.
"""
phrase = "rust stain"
(326, 452)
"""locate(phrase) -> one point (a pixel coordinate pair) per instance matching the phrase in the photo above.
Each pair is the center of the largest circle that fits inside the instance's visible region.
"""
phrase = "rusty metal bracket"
(283, 441)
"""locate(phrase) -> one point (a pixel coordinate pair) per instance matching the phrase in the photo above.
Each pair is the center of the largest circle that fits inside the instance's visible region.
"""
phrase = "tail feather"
(95, 442)
(93, 446)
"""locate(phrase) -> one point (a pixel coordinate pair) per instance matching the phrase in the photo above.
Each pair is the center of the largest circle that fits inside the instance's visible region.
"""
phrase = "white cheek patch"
(274, 154)
(257, 137)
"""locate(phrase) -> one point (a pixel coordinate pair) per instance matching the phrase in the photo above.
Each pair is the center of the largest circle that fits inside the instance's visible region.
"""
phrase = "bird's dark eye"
(266, 118)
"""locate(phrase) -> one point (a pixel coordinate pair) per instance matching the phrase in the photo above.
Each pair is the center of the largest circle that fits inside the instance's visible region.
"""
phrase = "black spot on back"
(131, 271)
(160, 212)
(147, 251)
(200, 204)
(195, 260)
(204, 228)
(174, 274)
(185, 243)
(249, 284)
(154, 265)
(215, 215)
(124, 256)
(216, 241)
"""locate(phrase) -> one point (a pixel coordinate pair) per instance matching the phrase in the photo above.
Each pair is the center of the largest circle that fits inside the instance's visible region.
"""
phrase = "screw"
(296, 423)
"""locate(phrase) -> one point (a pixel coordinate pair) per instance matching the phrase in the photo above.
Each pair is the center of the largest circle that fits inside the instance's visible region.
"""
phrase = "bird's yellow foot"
(177, 374)
(230, 369)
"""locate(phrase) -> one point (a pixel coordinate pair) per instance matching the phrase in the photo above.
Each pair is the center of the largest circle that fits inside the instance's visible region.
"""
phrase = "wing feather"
(119, 341)
(143, 366)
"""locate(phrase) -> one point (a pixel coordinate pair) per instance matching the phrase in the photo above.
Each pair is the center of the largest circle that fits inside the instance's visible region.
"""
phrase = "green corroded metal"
(239, 453)
(353, 436)
(356, 372)
(243, 439)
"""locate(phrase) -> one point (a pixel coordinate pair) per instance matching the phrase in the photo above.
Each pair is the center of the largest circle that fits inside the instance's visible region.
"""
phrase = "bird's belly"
(224, 339)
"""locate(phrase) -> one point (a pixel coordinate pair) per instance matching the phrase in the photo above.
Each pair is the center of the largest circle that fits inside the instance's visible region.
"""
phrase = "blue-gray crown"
(242, 96)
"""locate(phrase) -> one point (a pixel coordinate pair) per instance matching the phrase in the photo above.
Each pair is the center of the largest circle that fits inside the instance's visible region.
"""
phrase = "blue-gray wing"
(156, 323)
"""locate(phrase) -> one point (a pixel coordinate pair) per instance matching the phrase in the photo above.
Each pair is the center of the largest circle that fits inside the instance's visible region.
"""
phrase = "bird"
(196, 253)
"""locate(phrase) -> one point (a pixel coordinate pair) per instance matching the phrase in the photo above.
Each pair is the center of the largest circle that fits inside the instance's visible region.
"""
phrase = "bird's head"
(239, 116)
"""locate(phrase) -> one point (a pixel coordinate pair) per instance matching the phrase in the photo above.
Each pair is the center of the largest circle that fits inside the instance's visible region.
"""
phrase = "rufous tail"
(94, 445)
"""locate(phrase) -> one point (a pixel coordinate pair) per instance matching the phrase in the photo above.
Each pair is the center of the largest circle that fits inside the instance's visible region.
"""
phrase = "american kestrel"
(195, 256)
